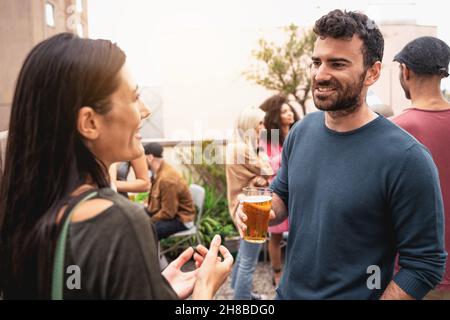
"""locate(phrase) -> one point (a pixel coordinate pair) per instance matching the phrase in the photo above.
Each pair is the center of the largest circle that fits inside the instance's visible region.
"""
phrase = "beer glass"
(132, 196)
(257, 203)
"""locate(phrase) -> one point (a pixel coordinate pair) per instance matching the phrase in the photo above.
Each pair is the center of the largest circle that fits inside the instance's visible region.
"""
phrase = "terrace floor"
(262, 283)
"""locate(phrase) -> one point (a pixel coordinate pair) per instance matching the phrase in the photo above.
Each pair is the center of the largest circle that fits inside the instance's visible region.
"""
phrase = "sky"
(138, 25)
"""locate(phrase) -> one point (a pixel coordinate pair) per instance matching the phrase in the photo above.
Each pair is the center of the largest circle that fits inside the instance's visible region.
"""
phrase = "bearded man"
(357, 189)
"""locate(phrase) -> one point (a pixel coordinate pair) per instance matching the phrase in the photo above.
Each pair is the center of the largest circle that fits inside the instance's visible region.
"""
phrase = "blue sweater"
(355, 200)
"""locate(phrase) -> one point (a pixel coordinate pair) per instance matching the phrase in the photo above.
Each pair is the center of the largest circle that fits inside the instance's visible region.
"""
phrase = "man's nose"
(321, 73)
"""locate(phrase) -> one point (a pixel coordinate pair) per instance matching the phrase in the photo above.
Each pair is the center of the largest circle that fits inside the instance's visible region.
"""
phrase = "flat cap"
(426, 55)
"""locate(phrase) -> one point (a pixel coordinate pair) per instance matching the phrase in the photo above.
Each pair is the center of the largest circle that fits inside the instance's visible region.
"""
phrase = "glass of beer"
(257, 203)
(132, 196)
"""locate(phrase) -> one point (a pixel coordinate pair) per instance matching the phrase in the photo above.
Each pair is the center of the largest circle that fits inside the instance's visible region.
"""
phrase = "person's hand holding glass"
(253, 214)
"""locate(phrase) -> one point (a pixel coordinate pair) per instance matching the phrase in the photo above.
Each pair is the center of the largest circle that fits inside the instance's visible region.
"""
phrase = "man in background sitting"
(170, 203)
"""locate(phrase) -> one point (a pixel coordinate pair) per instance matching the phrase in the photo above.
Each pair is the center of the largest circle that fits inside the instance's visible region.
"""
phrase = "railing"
(170, 143)
(172, 147)
(190, 159)
(176, 151)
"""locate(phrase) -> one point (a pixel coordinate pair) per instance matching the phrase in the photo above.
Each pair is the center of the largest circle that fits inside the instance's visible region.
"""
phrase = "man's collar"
(157, 173)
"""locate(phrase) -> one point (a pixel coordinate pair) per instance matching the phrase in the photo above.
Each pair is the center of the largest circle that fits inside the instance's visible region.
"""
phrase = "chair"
(198, 196)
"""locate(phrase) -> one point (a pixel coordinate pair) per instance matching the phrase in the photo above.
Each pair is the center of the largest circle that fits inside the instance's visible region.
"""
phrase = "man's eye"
(316, 63)
(338, 65)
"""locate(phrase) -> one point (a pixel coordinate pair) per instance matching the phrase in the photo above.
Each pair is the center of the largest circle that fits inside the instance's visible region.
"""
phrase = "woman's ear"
(88, 124)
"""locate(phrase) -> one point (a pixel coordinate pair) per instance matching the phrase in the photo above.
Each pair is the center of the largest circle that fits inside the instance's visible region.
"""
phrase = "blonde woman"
(246, 167)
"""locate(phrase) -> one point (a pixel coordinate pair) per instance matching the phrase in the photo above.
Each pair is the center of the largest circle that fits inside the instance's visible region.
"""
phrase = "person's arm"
(256, 164)
(258, 182)
(113, 176)
(264, 165)
(169, 201)
(142, 181)
(280, 196)
(394, 292)
(280, 187)
(416, 209)
(279, 209)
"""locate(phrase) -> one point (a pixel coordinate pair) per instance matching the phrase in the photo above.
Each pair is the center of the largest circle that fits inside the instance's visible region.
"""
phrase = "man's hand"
(241, 217)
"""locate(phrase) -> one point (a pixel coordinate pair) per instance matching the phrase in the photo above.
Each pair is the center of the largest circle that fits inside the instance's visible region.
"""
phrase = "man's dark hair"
(154, 149)
(344, 24)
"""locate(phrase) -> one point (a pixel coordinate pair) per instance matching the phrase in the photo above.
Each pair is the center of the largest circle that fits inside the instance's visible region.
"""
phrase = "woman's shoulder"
(122, 231)
(122, 221)
(130, 210)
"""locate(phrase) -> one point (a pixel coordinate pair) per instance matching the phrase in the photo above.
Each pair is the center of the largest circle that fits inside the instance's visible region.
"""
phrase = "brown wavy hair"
(272, 119)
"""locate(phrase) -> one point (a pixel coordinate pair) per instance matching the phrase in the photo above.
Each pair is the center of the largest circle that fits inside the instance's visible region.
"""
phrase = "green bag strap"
(60, 251)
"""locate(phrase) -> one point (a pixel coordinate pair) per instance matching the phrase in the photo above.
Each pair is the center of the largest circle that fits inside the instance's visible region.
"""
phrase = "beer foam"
(254, 199)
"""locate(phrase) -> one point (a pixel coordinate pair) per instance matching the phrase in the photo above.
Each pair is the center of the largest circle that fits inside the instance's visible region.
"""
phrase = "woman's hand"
(200, 254)
(181, 282)
(213, 271)
(260, 182)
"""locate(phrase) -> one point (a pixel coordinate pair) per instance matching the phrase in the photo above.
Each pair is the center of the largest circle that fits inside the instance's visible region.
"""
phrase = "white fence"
(171, 147)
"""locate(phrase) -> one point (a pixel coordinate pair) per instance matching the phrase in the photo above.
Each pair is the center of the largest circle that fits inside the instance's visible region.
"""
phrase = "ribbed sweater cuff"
(411, 285)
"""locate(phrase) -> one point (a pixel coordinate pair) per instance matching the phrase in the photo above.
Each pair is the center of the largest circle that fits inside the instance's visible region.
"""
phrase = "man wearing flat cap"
(423, 64)
(170, 204)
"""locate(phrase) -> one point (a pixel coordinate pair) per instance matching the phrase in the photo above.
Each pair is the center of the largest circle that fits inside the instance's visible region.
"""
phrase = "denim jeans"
(244, 267)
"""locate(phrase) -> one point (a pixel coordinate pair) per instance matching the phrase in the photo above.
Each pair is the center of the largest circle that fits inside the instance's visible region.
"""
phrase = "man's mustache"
(326, 84)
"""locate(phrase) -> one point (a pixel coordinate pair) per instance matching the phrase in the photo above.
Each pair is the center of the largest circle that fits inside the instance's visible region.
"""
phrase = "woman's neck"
(83, 188)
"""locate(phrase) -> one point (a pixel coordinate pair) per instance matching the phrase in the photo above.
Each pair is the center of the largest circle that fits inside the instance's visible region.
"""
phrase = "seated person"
(119, 172)
(170, 203)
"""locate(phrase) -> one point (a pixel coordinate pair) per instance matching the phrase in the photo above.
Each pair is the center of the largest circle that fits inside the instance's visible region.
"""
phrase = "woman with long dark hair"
(279, 119)
(76, 110)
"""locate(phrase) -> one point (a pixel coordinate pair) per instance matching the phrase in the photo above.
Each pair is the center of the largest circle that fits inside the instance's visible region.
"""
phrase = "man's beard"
(347, 100)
